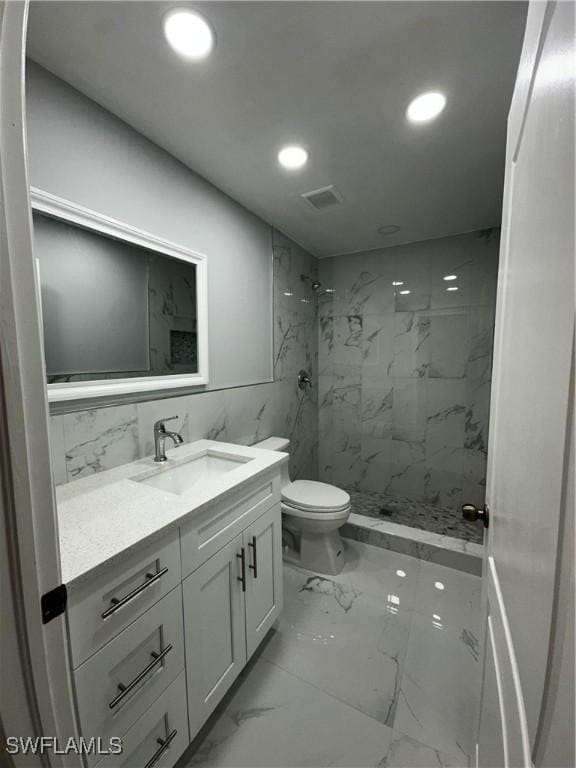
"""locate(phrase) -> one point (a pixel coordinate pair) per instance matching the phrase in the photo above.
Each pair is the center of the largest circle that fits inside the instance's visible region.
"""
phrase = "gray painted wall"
(81, 152)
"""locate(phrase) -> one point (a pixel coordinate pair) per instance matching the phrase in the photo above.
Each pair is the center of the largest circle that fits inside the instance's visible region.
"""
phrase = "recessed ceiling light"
(293, 157)
(388, 229)
(452, 288)
(439, 585)
(288, 293)
(397, 282)
(450, 277)
(401, 573)
(188, 33)
(404, 293)
(426, 107)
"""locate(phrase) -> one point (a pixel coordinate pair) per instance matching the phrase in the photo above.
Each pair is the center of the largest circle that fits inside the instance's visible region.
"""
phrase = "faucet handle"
(159, 425)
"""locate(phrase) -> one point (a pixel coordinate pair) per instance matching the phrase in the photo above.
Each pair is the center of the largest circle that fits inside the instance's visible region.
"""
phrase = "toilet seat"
(324, 516)
(313, 497)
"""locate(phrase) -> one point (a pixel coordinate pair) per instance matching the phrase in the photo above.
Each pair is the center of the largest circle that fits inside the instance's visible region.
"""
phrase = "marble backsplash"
(405, 367)
(94, 440)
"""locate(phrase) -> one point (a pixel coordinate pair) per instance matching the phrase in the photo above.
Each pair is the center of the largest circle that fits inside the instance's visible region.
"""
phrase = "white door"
(263, 544)
(214, 630)
(533, 355)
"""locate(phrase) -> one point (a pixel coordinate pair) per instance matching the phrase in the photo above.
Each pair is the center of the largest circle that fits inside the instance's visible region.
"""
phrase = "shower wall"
(404, 369)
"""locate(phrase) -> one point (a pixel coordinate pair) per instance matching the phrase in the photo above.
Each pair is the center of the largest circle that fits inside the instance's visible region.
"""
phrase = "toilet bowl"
(312, 513)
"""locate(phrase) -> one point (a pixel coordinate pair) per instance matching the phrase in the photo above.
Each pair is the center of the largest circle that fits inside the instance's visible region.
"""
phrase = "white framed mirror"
(124, 312)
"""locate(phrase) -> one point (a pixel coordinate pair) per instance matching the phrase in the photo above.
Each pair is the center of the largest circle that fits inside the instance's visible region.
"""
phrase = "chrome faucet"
(160, 435)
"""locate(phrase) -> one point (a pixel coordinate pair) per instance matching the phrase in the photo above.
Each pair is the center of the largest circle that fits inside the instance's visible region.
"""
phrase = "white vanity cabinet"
(230, 602)
(159, 637)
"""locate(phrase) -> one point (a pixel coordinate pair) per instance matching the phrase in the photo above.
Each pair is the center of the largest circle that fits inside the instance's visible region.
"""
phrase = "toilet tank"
(273, 444)
(277, 444)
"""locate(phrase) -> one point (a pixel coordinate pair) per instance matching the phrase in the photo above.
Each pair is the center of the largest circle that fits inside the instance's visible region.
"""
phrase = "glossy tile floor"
(428, 517)
(375, 667)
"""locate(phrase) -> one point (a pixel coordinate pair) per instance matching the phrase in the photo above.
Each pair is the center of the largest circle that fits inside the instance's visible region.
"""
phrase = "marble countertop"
(106, 515)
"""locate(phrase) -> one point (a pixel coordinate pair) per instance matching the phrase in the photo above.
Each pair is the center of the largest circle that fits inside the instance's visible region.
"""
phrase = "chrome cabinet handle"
(164, 744)
(151, 578)
(125, 689)
(254, 567)
(242, 578)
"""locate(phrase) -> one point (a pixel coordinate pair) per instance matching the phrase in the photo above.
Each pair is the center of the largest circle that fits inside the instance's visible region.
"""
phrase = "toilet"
(312, 513)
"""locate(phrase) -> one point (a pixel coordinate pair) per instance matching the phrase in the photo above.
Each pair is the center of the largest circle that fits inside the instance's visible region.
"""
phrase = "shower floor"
(427, 517)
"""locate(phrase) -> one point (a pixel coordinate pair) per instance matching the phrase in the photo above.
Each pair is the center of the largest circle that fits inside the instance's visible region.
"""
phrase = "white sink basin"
(197, 471)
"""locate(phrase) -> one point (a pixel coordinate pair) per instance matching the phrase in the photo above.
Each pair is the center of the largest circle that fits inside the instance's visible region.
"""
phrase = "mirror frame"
(59, 208)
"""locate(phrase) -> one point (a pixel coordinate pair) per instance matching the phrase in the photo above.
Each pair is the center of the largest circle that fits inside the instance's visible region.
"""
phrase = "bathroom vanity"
(174, 576)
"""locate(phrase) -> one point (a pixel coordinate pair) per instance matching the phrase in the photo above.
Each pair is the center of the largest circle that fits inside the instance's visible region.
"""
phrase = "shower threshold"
(420, 515)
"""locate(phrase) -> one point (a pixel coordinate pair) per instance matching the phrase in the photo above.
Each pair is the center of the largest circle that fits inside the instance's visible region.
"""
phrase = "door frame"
(28, 508)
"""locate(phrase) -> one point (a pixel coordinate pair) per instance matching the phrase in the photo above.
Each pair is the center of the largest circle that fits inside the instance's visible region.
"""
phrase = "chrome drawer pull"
(151, 578)
(164, 744)
(125, 689)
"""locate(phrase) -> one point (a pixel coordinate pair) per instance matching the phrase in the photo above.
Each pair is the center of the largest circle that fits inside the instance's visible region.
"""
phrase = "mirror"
(122, 311)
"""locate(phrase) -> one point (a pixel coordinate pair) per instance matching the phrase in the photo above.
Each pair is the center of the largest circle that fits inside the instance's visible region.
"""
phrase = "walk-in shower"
(405, 355)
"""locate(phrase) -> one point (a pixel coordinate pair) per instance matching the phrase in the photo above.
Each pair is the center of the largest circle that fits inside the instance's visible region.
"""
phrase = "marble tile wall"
(405, 366)
(90, 441)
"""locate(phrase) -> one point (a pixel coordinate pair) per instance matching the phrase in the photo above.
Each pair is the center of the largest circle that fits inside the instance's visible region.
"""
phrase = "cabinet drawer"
(118, 684)
(104, 606)
(210, 530)
(165, 721)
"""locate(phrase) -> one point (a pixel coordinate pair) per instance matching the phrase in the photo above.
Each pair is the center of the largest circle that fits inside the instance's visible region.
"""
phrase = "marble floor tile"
(381, 573)
(440, 686)
(347, 643)
(406, 752)
(276, 719)
(452, 595)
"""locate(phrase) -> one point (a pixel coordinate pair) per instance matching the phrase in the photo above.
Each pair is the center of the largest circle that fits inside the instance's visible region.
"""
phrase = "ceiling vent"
(325, 197)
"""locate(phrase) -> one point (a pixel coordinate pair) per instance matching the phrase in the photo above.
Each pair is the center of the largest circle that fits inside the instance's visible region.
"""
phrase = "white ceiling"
(335, 77)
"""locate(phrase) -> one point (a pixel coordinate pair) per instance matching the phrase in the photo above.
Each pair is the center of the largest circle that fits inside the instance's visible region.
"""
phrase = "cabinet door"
(263, 545)
(214, 631)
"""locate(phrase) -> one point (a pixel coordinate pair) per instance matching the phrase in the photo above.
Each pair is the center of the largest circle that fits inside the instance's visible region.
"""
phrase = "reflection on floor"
(375, 667)
(427, 517)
